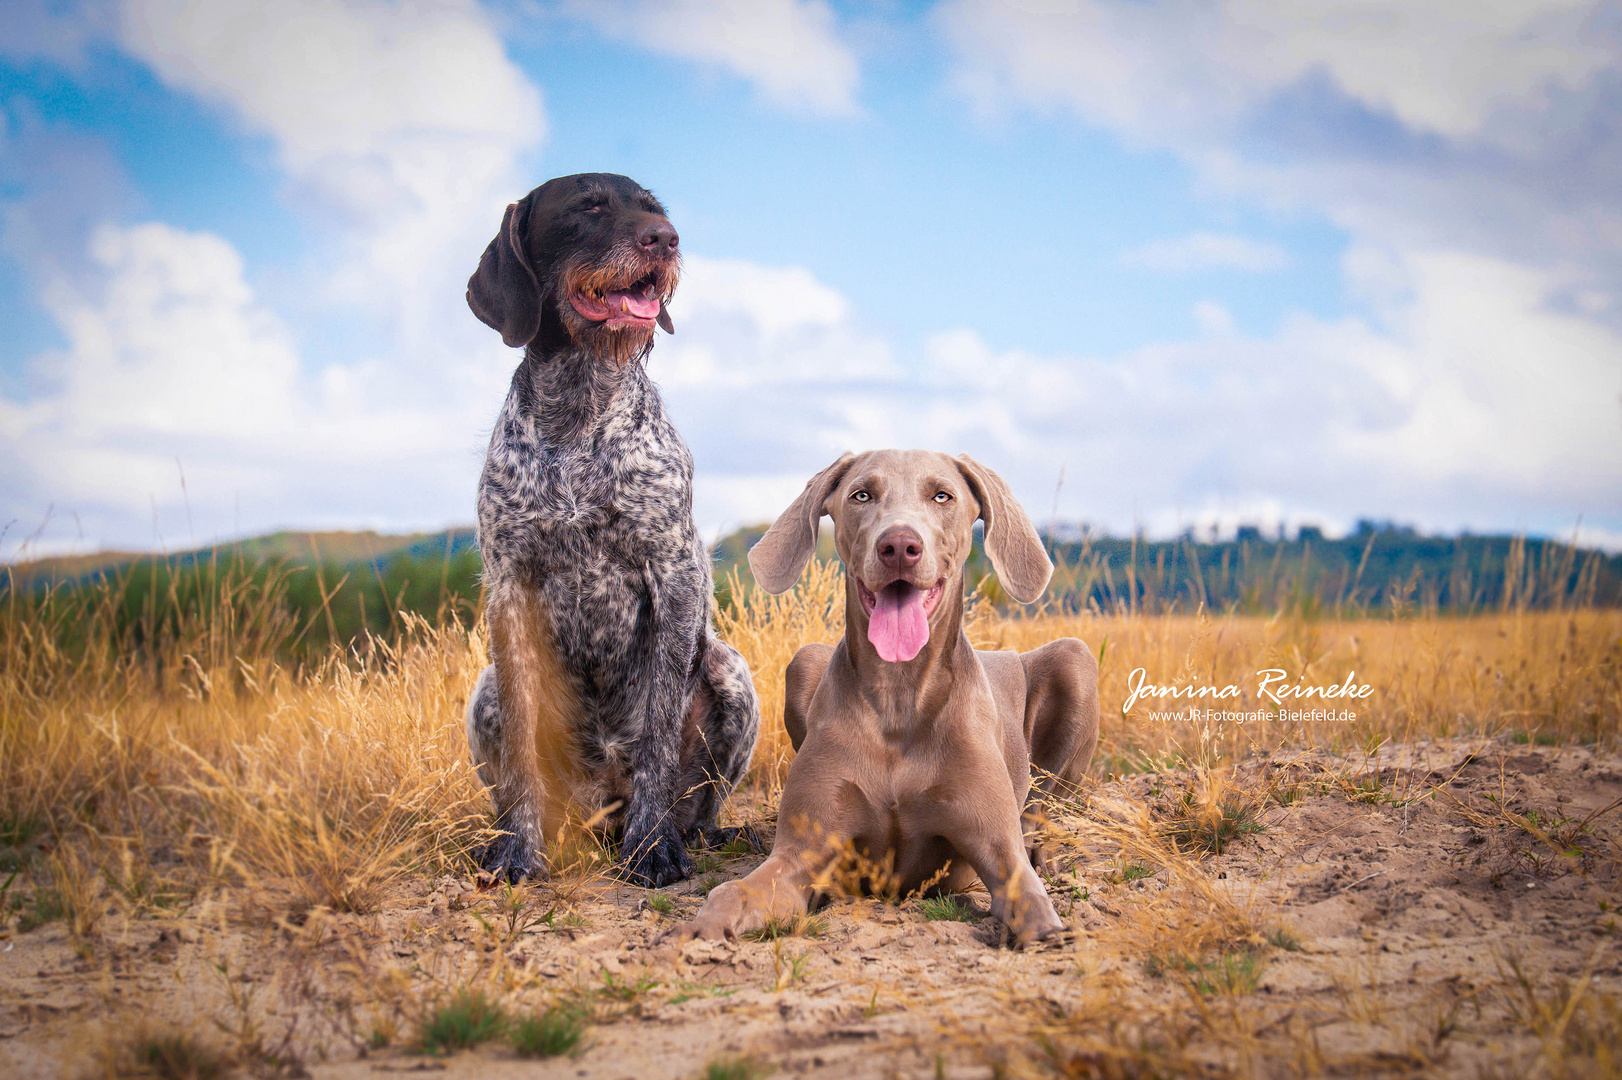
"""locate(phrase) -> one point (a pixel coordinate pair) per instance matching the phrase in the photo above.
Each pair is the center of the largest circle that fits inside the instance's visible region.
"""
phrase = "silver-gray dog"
(911, 743)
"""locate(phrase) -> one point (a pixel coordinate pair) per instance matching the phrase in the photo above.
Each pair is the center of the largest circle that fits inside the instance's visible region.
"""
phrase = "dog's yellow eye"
(943, 497)
(860, 496)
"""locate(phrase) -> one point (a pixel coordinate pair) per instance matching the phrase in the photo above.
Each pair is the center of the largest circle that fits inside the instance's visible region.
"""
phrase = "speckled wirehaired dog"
(608, 683)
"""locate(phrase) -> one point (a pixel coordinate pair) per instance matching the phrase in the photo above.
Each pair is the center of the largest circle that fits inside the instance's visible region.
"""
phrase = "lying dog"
(608, 684)
(910, 742)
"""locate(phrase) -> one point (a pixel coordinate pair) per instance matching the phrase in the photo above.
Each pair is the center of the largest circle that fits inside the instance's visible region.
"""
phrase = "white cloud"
(1468, 401)
(404, 121)
(1183, 66)
(1496, 387)
(1214, 319)
(1208, 251)
(741, 324)
(344, 80)
(1470, 152)
(1490, 128)
(777, 299)
(789, 49)
(173, 363)
(402, 129)
(42, 29)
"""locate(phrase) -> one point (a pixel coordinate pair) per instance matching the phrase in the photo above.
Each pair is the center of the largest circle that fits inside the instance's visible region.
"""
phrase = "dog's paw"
(655, 861)
(1058, 938)
(699, 929)
(511, 859)
(1041, 937)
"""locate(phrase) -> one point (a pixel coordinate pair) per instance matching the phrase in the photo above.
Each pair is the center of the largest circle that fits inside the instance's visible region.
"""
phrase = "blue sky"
(1213, 263)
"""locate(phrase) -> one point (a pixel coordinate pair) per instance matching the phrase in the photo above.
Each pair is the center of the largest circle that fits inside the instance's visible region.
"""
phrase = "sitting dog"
(910, 742)
(608, 685)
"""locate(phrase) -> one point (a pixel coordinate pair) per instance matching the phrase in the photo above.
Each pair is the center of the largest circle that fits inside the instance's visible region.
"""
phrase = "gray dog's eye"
(943, 497)
(860, 496)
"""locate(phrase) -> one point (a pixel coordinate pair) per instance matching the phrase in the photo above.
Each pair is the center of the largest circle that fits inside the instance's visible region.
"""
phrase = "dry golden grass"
(199, 760)
(1553, 677)
(160, 773)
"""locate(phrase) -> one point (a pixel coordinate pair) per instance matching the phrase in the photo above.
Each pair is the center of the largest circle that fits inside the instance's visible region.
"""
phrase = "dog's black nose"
(900, 548)
(657, 236)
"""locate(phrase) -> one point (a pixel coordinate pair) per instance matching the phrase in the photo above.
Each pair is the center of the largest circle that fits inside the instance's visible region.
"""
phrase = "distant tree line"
(1378, 568)
(262, 596)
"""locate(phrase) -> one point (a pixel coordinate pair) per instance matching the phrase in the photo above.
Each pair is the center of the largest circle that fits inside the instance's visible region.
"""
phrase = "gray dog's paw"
(655, 861)
(511, 859)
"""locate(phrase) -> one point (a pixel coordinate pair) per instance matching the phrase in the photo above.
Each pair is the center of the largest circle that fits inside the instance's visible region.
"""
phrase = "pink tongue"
(898, 627)
(643, 307)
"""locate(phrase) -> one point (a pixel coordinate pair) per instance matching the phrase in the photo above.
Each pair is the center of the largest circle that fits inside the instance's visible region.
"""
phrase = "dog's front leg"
(780, 888)
(653, 854)
(532, 760)
(998, 856)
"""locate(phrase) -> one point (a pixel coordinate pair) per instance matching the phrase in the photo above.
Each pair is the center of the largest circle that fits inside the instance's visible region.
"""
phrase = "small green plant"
(1236, 973)
(792, 926)
(738, 845)
(1541, 738)
(947, 909)
(1155, 966)
(1072, 893)
(170, 1056)
(548, 1034)
(469, 1018)
(734, 1068)
(661, 903)
(1205, 829)
(17, 830)
(618, 989)
(1135, 872)
(708, 882)
(790, 969)
(1283, 939)
(1285, 795)
(43, 907)
(1229, 972)
(692, 991)
(706, 863)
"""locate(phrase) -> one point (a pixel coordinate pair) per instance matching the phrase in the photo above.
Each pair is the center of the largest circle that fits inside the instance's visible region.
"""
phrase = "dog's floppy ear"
(503, 292)
(1016, 552)
(779, 557)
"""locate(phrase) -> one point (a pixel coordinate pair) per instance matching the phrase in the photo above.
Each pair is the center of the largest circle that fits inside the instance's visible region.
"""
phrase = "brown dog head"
(590, 258)
(904, 527)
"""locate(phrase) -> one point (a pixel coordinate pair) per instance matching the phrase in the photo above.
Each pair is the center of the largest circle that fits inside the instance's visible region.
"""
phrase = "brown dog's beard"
(610, 305)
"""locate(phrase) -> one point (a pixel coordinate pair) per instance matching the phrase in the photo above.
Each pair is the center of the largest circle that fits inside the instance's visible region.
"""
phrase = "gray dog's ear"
(779, 557)
(503, 292)
(1016, 552)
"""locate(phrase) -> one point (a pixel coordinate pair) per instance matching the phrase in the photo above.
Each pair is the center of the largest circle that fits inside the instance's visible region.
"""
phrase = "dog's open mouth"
(634, 306)
(898, 617)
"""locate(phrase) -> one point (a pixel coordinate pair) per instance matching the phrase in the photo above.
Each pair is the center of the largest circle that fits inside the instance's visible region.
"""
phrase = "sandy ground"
(1418, 923)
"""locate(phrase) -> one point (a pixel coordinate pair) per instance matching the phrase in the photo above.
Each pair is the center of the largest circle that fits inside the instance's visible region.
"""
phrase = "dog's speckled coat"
(597, 584)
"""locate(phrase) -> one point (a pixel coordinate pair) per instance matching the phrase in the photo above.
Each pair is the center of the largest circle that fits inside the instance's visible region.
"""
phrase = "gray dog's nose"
(656, 235)
(900, 547)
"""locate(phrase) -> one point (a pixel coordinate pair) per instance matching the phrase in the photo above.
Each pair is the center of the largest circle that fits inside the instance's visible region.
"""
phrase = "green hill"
(309, 590)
